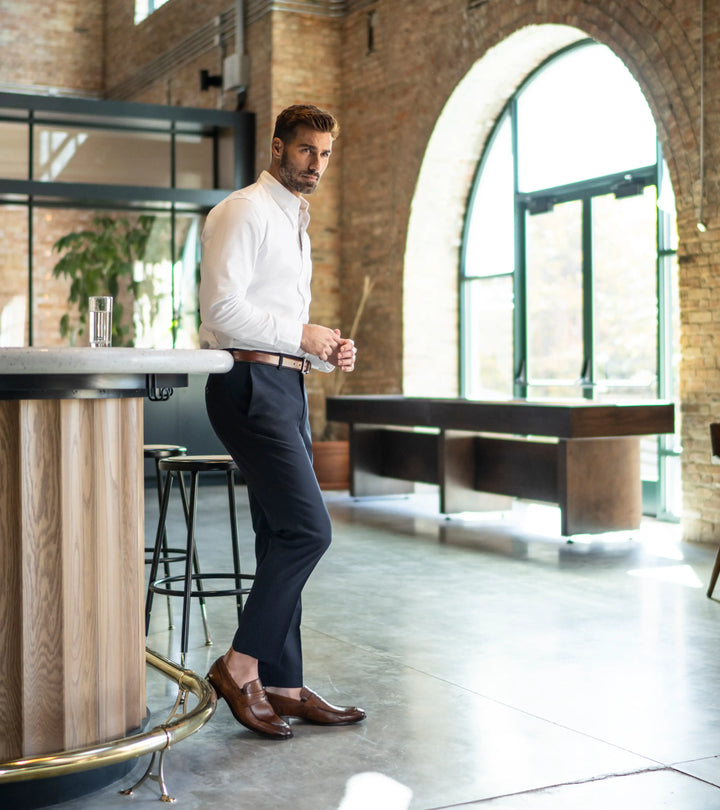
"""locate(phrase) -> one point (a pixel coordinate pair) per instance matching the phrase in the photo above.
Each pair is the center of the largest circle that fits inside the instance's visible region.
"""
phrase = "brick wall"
(392, 101)
(377, 213)
(129, 47)
(299, 44)
(57, 44)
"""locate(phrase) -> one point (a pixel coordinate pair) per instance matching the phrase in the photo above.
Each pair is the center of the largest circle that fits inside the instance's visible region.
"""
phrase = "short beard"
(293, 180)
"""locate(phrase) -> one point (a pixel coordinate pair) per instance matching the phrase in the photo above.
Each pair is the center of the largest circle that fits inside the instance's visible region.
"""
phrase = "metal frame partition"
(230, 134)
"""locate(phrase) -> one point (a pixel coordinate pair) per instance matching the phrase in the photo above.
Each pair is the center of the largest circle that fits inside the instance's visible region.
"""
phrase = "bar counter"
(72, 642)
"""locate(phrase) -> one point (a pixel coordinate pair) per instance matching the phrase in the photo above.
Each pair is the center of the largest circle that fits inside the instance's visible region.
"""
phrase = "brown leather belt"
(301, 364)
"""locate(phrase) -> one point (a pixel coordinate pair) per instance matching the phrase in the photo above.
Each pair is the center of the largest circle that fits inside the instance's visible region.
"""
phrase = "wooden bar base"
(72, 668)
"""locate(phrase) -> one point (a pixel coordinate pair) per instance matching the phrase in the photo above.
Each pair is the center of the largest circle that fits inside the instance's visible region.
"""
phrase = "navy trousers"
(260, 414)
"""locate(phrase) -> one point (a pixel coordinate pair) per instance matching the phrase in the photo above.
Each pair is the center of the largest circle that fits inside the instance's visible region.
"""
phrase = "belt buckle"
(305, 366)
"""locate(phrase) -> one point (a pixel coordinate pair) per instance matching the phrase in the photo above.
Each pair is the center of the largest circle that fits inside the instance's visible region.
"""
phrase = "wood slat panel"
(11, 590)
(79, 566)
(72, 636)
(42, 647)
(132, 534)
(107, 434)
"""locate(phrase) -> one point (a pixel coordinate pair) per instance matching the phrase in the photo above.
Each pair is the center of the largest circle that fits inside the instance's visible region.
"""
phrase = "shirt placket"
(305, 262)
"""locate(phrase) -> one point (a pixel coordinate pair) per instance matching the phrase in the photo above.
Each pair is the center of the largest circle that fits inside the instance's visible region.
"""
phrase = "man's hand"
(328, 345)
(320, 341)
(344, 357)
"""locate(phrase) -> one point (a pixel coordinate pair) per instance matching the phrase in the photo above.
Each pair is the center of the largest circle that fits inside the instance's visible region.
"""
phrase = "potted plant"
(100, 261)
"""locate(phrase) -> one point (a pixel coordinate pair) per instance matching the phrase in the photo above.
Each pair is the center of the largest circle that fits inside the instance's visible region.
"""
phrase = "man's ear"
(277, 147)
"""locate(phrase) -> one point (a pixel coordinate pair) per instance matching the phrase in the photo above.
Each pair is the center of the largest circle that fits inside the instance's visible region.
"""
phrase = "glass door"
(591, 301)
(625, 297)
(554, 295)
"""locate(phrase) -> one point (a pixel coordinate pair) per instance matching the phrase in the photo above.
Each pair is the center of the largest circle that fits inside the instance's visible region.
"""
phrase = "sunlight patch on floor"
(679, 574)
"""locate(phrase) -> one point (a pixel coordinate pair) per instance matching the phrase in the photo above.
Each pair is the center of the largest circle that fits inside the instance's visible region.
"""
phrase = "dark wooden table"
(581, 455)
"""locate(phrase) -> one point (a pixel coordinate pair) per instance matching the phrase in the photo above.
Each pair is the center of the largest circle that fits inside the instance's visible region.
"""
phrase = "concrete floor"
(500, 667)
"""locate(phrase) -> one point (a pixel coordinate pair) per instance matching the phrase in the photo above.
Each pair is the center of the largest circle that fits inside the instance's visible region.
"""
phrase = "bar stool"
(175, 467)
(157, 452)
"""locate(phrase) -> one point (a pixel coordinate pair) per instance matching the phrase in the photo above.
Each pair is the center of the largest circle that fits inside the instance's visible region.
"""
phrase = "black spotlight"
(207, 81)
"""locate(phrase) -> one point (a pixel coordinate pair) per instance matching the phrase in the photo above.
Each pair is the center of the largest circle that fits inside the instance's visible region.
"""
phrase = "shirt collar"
(289, 202)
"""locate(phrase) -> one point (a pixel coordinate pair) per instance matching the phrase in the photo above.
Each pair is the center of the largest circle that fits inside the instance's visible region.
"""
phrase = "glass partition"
(166, 311)
(14, 290)
(15, 154)
(194, 161)
(81, 155)
(67, 165)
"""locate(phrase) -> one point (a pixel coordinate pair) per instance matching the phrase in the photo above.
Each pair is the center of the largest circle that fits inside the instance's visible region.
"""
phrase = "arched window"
(568, 261)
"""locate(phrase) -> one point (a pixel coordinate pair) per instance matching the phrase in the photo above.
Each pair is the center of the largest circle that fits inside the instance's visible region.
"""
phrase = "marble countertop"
(84, 360)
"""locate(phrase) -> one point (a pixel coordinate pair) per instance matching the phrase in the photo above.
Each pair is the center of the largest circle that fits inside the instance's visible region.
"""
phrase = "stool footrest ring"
(177, 555)
(160, 585)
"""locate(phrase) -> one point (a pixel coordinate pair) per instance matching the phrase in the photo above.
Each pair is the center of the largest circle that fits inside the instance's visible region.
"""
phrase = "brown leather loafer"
(313, 709)
(249, 703)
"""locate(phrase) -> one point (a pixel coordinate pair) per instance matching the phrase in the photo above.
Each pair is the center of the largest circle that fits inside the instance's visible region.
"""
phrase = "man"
(254, 300)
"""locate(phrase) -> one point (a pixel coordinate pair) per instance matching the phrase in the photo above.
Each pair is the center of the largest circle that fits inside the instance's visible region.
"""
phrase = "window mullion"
(520, 326)
(587, 371)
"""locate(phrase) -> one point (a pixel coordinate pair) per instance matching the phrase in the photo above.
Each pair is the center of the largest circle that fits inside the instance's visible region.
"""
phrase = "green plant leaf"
(99, 261)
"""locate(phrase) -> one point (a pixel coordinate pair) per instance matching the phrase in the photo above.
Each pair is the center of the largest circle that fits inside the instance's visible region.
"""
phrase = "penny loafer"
(249, 703)
(313, 709)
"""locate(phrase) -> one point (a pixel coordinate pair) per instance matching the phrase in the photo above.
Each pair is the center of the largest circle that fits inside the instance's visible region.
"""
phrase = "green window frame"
(496, 312)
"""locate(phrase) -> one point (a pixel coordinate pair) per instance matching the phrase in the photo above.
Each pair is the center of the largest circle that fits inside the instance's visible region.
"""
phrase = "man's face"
(304, 159)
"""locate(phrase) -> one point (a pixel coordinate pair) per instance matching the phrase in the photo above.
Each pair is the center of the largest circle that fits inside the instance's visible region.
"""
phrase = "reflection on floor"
(499, 665)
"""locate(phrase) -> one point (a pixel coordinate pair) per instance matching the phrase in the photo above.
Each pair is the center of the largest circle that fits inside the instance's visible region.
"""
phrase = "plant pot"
(331, 462)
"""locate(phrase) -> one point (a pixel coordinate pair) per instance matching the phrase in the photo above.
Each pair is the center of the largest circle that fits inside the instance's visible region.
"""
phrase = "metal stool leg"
(234, 539)
(195, 557)
(166, 553)
(189, 550)
(157, 549)
(171, 467)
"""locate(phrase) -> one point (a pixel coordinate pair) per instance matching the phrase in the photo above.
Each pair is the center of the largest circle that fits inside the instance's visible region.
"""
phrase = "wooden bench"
(581, 455)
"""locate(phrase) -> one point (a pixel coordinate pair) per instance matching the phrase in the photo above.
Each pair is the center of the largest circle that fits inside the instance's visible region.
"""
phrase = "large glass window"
(488, 267)
(582, 116)
(67, 166)
(488, 336)
(572, 210)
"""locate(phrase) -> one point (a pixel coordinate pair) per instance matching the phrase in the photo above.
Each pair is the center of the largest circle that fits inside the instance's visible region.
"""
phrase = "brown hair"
(299, 115)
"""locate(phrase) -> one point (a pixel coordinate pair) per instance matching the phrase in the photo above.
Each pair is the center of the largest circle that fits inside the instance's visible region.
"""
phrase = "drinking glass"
(100, 320)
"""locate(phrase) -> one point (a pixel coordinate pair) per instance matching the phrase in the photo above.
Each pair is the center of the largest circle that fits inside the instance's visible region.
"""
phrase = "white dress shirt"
(256, 270)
